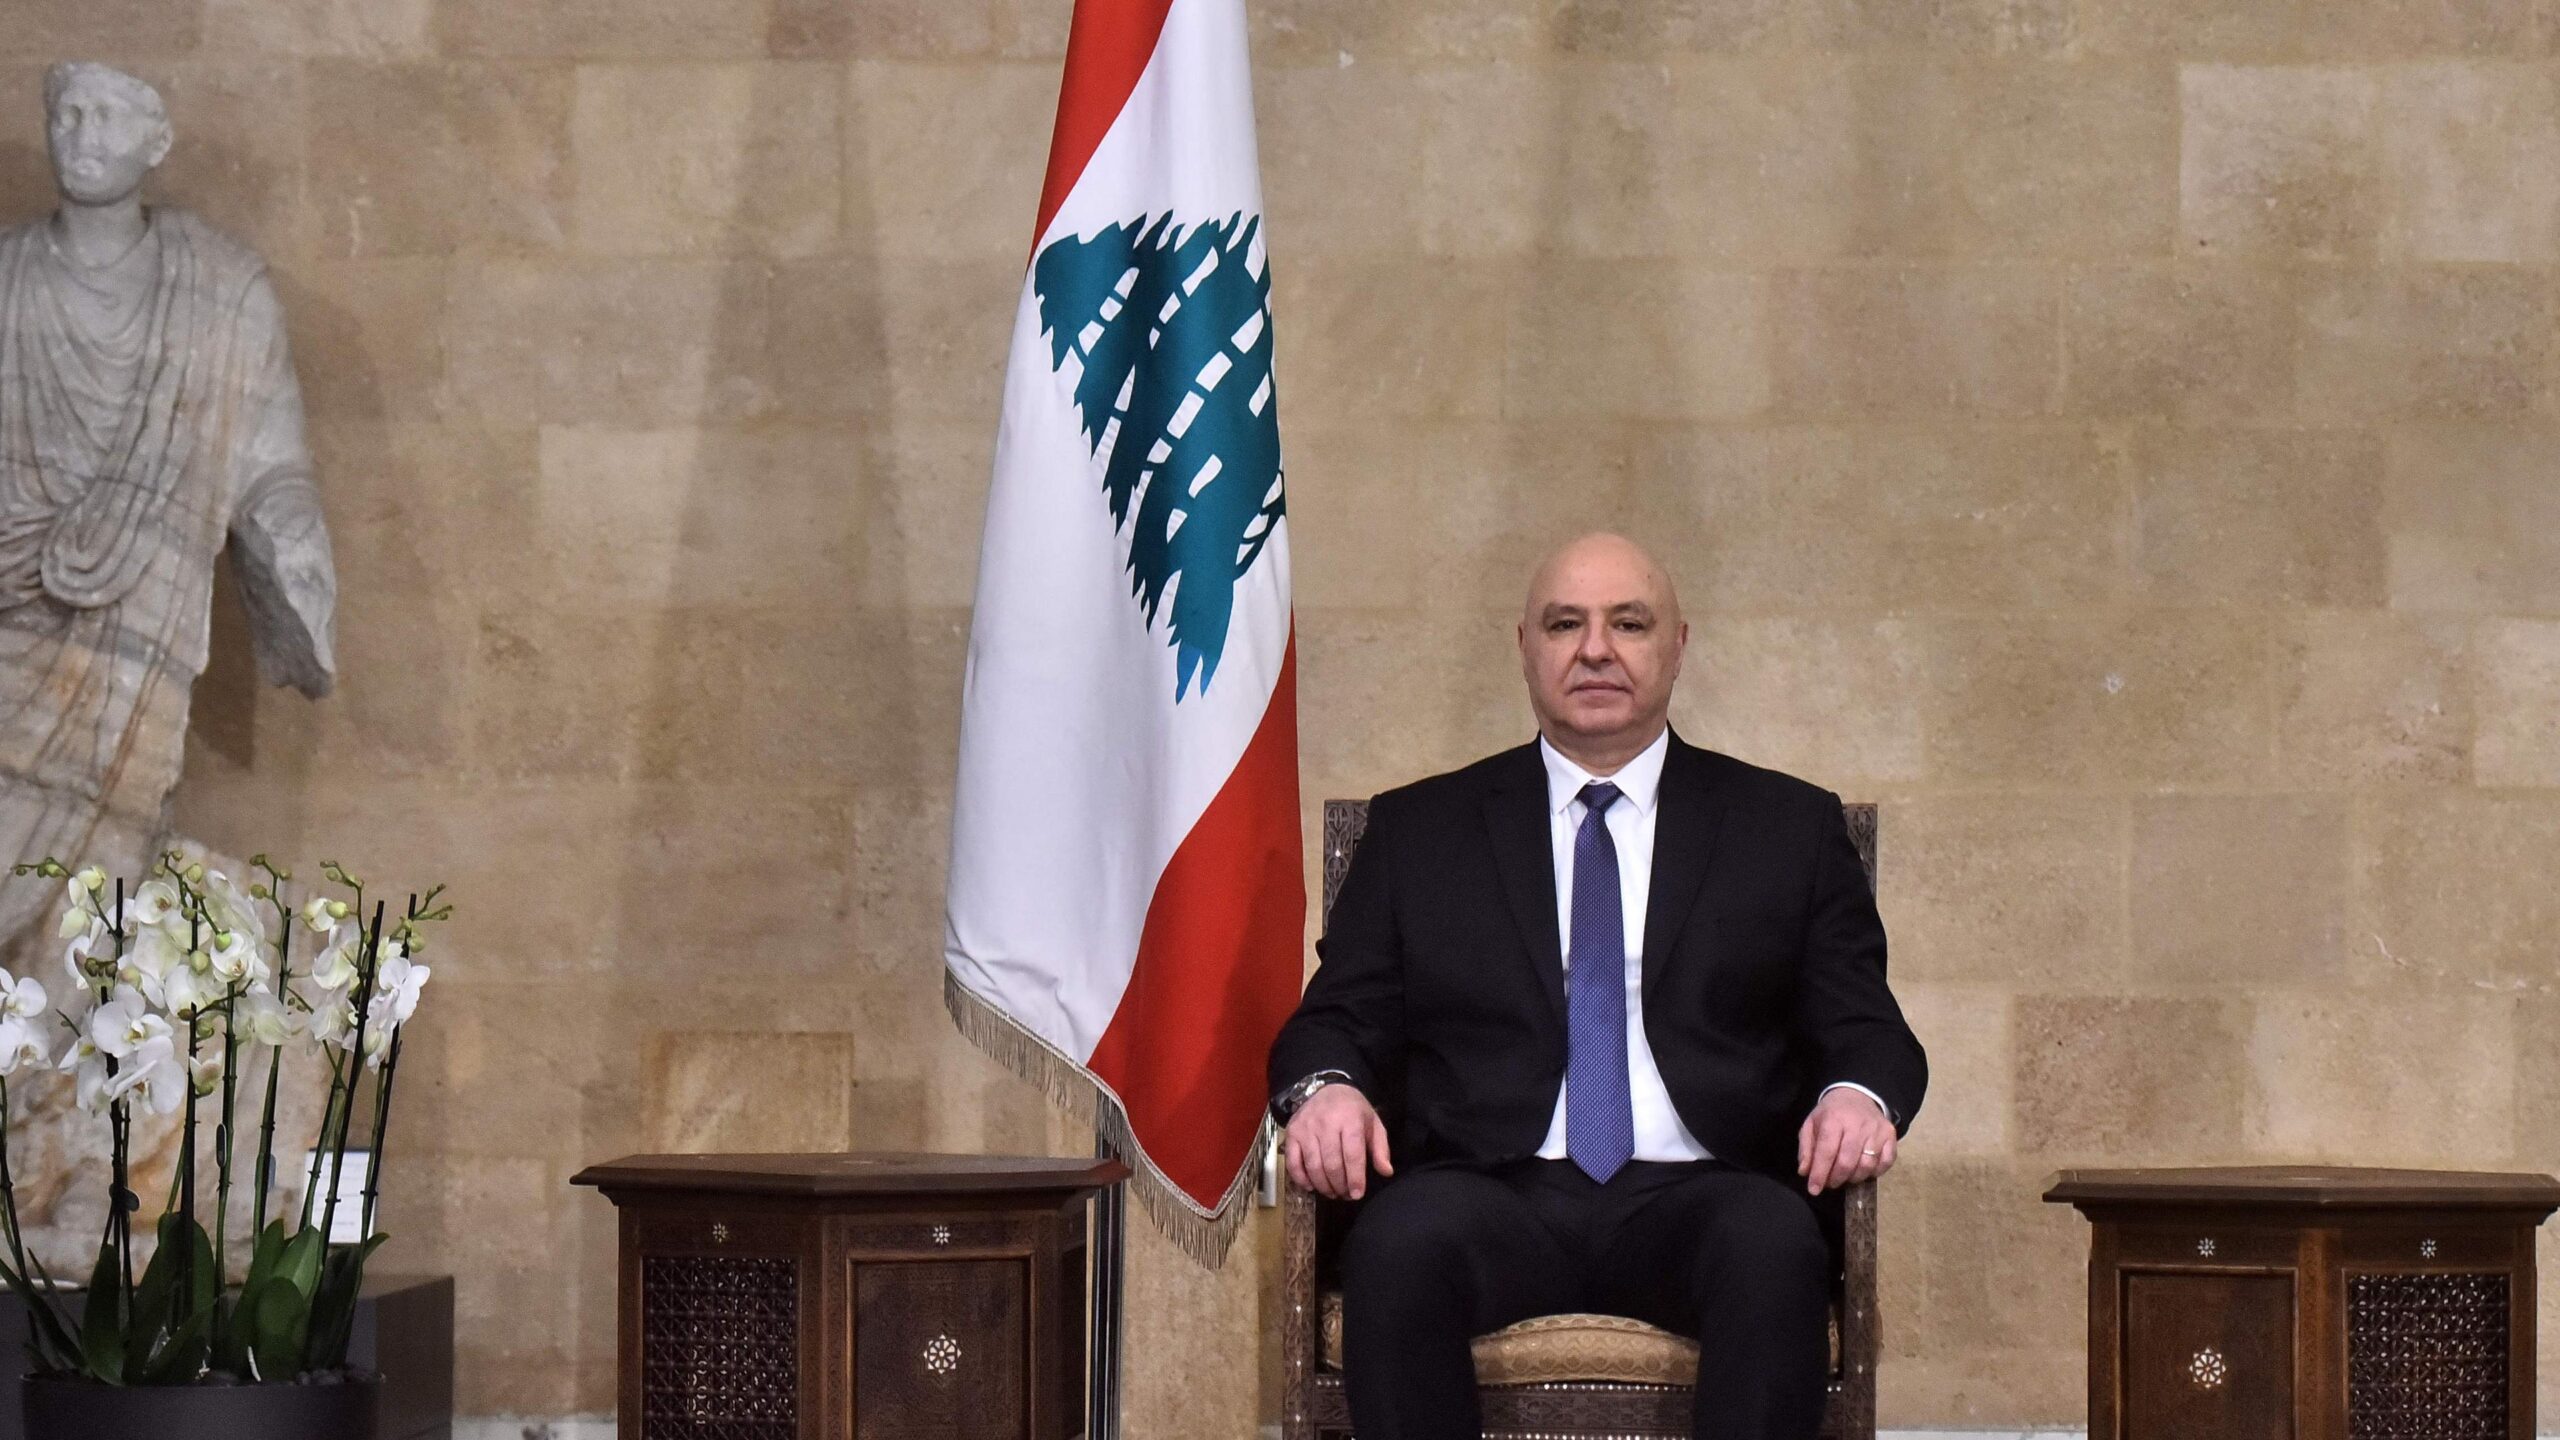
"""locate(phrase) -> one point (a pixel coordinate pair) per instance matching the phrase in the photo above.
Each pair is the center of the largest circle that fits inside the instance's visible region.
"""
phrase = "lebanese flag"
(1126, 904)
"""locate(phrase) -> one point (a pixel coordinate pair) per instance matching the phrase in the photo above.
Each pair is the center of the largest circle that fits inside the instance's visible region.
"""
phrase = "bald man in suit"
(1605, 1017)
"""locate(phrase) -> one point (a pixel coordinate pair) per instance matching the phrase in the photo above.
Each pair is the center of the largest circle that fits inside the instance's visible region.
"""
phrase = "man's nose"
(1595, 648)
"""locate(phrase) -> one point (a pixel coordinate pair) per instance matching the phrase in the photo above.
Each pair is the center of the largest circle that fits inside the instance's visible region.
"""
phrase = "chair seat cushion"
(1552, 1348)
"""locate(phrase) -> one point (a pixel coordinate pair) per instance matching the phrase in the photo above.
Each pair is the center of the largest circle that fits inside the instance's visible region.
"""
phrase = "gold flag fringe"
(1204, 1235)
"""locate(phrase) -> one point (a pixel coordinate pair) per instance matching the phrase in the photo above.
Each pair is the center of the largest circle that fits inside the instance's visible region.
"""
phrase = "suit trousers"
(1730, 1257)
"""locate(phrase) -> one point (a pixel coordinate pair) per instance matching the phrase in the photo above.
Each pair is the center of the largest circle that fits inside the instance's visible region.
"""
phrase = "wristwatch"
(1284, 1105)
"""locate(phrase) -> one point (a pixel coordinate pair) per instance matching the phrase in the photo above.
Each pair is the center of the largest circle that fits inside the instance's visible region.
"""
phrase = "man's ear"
(160, 147)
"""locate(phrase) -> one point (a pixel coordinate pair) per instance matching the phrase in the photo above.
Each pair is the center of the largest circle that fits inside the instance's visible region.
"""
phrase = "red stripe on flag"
(1108, 47)
(1219, 966)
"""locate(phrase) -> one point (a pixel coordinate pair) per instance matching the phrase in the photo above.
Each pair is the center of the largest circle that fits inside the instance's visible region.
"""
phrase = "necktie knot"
(1599, 795)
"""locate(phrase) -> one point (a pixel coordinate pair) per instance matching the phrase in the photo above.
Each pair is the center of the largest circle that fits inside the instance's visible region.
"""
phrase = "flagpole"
(1102, 1387)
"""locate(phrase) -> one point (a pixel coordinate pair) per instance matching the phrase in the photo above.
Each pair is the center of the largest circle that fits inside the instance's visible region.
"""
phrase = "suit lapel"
(1691, 806)
(1515, 815)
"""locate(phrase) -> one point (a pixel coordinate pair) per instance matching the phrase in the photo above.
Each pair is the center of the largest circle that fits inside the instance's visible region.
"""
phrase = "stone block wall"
(2117, 436)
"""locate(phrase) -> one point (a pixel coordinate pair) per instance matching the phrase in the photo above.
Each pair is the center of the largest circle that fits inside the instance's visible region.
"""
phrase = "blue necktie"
(1600, 1115)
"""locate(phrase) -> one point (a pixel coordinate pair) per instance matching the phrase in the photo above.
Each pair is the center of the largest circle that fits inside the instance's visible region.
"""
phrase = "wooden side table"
(876, 1297)
(2310, 1303)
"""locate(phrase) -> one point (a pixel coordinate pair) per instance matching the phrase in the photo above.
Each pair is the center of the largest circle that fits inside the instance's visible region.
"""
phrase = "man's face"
(103, 141)
(1601, 644)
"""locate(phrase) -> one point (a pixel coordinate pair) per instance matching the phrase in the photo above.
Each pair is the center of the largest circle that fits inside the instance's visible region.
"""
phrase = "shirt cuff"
(1889, 1116)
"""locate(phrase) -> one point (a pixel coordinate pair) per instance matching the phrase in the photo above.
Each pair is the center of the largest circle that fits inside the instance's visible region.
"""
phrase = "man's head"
(1600, 644)
(105, 129)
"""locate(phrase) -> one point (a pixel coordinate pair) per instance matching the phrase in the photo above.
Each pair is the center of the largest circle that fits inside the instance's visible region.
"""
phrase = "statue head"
(105, 130)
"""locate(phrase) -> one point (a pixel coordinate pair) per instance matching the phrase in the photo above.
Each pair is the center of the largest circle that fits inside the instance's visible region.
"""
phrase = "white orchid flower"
(92, 879)
(21, 1044)
(335, 968)
(190, 987)
(125, 1024)
(233, 908)
(234, 957)
(323, 914)
(90, 1063)
(206, 1068)
(333, 1021)
(157, 1070)
(20, 999)
(90, 957)
(153, 903)
(398, 983)
(154, 956)
(263, 1019)
(74, 920)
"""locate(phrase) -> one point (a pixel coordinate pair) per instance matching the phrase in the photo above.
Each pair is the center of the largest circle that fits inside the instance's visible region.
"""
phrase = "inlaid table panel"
(939, 1348)
(2227, 1337)
(852, 1297)
(2310, 1303)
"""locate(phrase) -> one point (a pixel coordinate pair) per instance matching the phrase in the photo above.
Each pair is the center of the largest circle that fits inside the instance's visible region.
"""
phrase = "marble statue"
(148, 417)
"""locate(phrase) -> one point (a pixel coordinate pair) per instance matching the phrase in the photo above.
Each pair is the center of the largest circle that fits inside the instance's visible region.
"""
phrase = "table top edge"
(852, 1174)
(2307, 1188)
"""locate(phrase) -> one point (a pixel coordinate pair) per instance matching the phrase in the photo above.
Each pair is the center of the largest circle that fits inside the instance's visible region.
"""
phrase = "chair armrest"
(1860, 1336)
(1297, 1308)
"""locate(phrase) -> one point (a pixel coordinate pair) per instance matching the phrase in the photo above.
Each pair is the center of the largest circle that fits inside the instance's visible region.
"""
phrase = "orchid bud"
(337, 909)
(195, 874)
(260, 891)
(93, 878)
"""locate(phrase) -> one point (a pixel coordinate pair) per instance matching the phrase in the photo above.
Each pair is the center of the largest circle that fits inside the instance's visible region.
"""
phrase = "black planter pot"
(81, 1410)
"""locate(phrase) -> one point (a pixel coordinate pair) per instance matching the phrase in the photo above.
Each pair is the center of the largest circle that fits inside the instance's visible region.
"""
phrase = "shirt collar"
(1638, 781)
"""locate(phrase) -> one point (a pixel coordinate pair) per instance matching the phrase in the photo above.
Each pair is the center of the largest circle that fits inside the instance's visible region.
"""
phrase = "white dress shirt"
(1659, 1133)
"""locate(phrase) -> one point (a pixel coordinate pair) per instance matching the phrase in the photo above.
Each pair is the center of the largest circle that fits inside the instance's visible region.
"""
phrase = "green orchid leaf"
(279, 1326)
(151, 1319)
(300, 1266)
(55, 1349)
(232, 1354)
(204, 1280)
(101, 1329)
(268, 1254)
(180, 1358)
(333, 1312)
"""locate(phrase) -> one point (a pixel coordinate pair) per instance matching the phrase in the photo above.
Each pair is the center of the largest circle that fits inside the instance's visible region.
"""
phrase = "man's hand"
(1333, 1140)
(1845, 1140)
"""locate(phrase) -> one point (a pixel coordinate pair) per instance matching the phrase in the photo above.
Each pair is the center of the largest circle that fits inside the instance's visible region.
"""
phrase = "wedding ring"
(1866, 1152)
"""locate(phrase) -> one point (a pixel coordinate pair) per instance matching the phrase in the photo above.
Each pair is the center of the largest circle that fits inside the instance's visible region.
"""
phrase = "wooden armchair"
(1557, 1377)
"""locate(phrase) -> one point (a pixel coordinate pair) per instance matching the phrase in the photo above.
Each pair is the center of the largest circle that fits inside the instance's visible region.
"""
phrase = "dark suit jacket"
(1441, 991)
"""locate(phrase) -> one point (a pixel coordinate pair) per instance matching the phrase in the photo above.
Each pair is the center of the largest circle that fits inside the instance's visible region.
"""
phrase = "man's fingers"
(1804, 1145)
(1889, 1147)
(1296, 1155)
(1355, 1158)
(1337, 1183)
(1378, 1145)
(1845, 1163)
(1817, 1171)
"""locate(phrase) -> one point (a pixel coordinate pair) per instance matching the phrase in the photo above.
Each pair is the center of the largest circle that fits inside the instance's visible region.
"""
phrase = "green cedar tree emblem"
(1172, 329)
